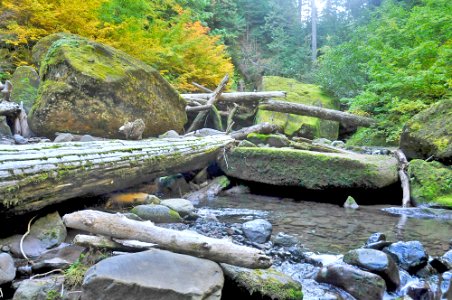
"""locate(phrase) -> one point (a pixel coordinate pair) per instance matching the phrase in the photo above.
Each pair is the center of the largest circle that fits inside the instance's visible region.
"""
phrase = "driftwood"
(402, 170)
(199, 119)
(235, 97)
(318, 112)
(201, 87)
(185, 242)
(10, 109)
(258, 128)
(37, 175)
(103, 242)
(208, 192)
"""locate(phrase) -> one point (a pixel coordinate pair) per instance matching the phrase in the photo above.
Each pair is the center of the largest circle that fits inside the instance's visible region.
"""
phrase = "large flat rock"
(308, 169)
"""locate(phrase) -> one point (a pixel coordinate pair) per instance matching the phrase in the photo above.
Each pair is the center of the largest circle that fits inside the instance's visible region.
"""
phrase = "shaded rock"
(133, 130)
(272, 140)
(442, 264)
(308, 169)
(153, 274)
(182, 206)
(378, 245)
(19, 140)
(257, 231)
(237, 190)
(5, 130)
(39, 289)
(64, 137)
(92, 88)
(206, 132)
(376, 237)
(351, 203)
(430, 183)
(157, 213)
(59, 258)
(242, 283)
(285, 240)
(410, 256)
(169, 134)
(376, 262)
(246, 143)
(50, 230)
(201, 177)
(7, 268)
(31, 246)
(420, 291)
(25, 81)
(429, 133)
(360, 284)
(172, 186)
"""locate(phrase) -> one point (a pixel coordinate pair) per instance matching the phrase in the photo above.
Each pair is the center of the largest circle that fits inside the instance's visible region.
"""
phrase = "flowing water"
(329, 228)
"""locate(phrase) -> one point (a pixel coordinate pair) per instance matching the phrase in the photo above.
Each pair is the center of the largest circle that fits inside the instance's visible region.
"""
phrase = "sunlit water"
(329, 228)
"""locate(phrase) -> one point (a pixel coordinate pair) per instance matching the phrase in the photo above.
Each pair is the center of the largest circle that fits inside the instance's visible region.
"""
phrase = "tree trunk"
(318, 112)
(37, 175)
(313, 31)
(402, 169)
(185, 242)
(258, 128)
(235, 97)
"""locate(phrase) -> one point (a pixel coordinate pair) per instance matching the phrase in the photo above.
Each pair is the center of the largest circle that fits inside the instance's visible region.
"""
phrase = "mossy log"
(35, 176)
(344, 118)
(185, 242)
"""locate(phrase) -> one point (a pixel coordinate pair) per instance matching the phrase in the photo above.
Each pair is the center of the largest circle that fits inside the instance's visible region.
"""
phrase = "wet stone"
(7, 268)
(376, 237)
(420, 290)
(286, 240)
(258, 231)
(157, 213)
(410, 256)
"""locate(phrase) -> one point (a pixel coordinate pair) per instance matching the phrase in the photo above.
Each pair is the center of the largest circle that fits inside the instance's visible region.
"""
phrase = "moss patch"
(430, 183)
(298, 92)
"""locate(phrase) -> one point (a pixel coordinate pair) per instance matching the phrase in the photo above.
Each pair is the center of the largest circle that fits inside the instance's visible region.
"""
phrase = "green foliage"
(395, 66)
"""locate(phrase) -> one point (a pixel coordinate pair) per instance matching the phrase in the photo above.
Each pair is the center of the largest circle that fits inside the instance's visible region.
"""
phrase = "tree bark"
(313, 31)
(185, 242)
(318, 112)
(197, 122)
(402, 170)
(37, 175)
(9, 108)
(235, 97)
(258, 128)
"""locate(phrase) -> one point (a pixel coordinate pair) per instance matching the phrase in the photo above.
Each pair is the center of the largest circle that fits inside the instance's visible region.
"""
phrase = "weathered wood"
(199, 119)
(403, 175)
(104, 242)
(230, 120)
(201, 87)
(258, 128)
(198, 108)
(208, 192)
(318, 112)
(9, 108)
(34, 176)
(236, 97)
(185, 242)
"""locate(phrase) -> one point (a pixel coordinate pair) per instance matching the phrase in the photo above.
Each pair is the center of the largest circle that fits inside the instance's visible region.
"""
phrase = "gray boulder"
(376, 262)
(50, 230)
(156, 213)
(360, 284)
(351, 203)
(7, 268)
(257, 231)
(153, 274)
(63, 137)
(286, 240)
(182, 206)
(39, 289)
(410, 256)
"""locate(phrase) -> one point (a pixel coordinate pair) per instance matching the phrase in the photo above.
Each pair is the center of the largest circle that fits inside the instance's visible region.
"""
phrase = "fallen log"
(208, 192)
(103, 242)
(37, 175)
(235, 97)
(344, 118)
(185, 242)
(258, 128)
(9, 108)
(199, 119)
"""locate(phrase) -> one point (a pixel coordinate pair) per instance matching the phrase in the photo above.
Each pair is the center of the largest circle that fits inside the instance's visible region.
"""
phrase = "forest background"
(387, 59)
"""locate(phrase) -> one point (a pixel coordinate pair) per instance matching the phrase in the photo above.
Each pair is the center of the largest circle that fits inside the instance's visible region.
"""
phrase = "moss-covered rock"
(87, 87)
(273, 140)
(260, 284)
(308, 169)
(303, 93)
(430, 183)
(25, 81)
(429, 133)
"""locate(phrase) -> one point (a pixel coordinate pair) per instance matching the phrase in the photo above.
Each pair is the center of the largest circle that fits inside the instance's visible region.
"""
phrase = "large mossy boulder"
(308, 169)
(25, 81)
(303, 93)
(429, 133)
(430, 183)
(90, 88)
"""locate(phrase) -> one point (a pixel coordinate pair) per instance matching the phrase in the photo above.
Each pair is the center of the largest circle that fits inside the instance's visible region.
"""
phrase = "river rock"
(360, 284)
(429, 133)
(272, 140)
(7, 268)
(376, 262)
(351, 203)
(243, 283)
(444, 263)
(410, 256)
(308, 169)
(157, 213)
(430, 183)
(376, 237)
(25, 81)
(153, 274)
(419, 290)
(172, 186)
(169, 134)
(285, 240)
(257, 231)
(58, 258)
(63, 137)
(92, 88)
(50, 230)
(182, 206)
(39, 288)
(446, 286)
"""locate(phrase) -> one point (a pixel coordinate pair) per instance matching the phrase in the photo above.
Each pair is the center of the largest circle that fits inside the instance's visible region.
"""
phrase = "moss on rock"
(303, 93)
(25, 81)
(311, 170)
(90, 88)
(430, 183)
